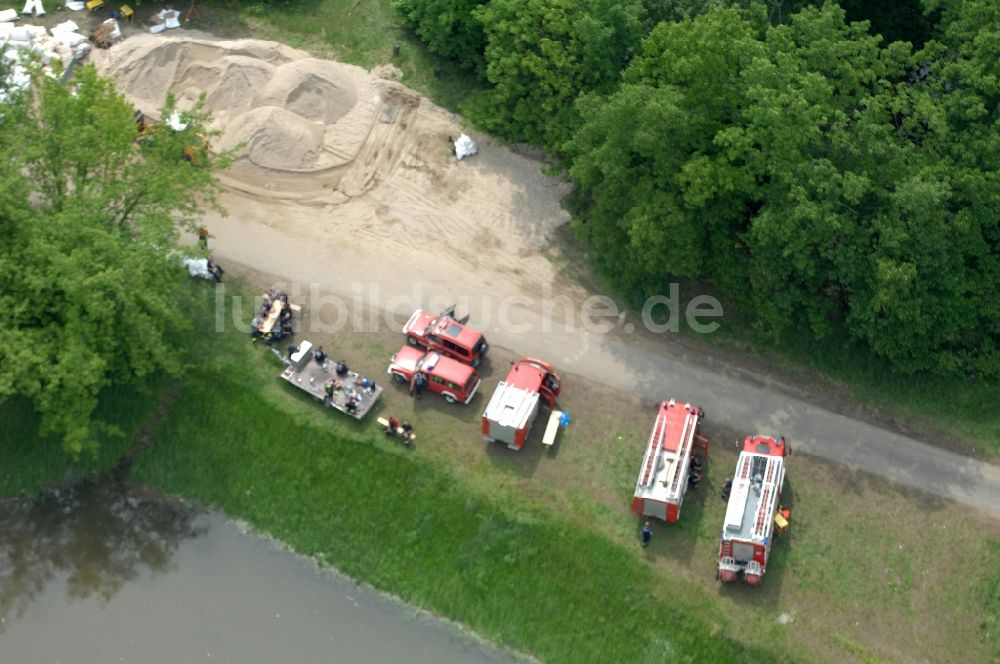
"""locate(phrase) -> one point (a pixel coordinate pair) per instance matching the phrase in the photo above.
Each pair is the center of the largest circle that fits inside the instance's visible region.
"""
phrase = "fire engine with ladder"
(754, 514)
(674, 459)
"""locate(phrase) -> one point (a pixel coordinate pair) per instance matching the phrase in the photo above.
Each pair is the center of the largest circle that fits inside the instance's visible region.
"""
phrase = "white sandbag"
(69, 39)
(157, 29)
(465, 147)
(81, 51)
(19, 34)
(75, 6)
(171, 18)
(35, 31)
(33, 7)
(8, 15)
(5, 28)
(67, 26)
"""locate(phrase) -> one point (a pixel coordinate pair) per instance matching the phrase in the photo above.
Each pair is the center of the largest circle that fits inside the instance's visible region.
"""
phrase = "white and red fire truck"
(514, 405)
(675, 455)
(754, 501)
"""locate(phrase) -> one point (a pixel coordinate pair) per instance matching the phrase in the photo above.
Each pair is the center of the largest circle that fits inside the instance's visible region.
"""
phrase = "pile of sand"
(351, 163)
(274, 100)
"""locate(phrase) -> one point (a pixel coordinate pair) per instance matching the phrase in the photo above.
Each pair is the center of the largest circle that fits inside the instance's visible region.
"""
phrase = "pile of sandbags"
(169, 19)
(63, 43)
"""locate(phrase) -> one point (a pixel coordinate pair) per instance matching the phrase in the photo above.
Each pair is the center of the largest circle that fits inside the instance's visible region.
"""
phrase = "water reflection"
(96, 535)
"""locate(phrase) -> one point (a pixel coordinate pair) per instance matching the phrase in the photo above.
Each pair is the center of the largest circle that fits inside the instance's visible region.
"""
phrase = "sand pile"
(351, 164)
(279, 103)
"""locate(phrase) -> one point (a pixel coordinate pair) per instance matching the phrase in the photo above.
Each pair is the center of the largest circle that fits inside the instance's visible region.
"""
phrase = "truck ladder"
(687, 434)
(655, 443)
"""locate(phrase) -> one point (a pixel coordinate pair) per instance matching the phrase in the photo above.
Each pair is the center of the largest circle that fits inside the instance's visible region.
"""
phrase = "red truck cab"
(446, 335)
(452, 380)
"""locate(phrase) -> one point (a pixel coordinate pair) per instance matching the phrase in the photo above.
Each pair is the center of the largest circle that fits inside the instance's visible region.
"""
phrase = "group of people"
(696, 472)
(333, 386)
(282, 327)
(402, 429)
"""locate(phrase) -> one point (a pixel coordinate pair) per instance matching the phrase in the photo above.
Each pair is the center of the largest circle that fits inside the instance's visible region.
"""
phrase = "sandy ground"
(346, 190)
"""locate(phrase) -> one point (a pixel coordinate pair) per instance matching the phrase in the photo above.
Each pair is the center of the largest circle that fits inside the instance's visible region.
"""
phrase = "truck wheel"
(449, 398)
(411, 341)
(399, 378)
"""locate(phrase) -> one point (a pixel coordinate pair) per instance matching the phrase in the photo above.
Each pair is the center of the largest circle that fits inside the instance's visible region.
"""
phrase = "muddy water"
(104, 574)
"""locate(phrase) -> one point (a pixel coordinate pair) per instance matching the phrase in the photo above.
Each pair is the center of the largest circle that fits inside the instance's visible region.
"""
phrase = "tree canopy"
(92, 285)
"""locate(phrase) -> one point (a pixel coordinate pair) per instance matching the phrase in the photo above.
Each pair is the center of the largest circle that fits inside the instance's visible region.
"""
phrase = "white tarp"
(198, 267)
(33, 6)
(465, 147)
(8, 15)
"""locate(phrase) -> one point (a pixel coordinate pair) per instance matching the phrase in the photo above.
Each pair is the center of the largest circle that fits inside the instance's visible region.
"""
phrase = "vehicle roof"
(526, 374)
(664, 471)
(510, 405)
(449, 328)
(754, 496)
(436, 364)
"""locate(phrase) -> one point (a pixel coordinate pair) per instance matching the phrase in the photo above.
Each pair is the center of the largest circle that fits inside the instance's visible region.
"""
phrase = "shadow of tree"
(98, 534)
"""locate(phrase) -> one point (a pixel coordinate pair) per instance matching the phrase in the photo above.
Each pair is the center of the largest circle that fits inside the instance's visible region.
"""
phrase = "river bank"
(153, 579)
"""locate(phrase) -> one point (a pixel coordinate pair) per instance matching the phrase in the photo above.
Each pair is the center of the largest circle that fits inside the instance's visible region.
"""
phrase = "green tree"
(658, 201)
(90, 218)
(541, 54)
(450, 28)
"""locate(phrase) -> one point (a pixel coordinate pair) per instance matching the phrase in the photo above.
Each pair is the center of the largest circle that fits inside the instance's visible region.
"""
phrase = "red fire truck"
(748, 531)
(514, 406)
(452, 380)
(446, 335)
(675, 455)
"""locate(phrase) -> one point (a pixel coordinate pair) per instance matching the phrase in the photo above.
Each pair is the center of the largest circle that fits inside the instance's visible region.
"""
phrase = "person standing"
(203, 237)
(647, 533)
(419, 383)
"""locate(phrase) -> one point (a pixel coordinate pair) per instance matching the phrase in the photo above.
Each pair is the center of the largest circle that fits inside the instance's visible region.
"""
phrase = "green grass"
(32, 461)
(990, 599)
(360, 32)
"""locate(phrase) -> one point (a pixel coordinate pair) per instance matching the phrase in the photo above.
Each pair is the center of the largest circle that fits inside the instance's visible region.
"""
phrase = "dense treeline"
(840, 184)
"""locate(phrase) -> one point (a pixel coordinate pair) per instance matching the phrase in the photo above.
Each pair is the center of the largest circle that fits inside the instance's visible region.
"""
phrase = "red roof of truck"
(528, 374)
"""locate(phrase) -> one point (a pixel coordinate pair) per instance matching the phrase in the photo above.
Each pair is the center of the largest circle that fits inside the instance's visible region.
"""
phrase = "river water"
(106, 574)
